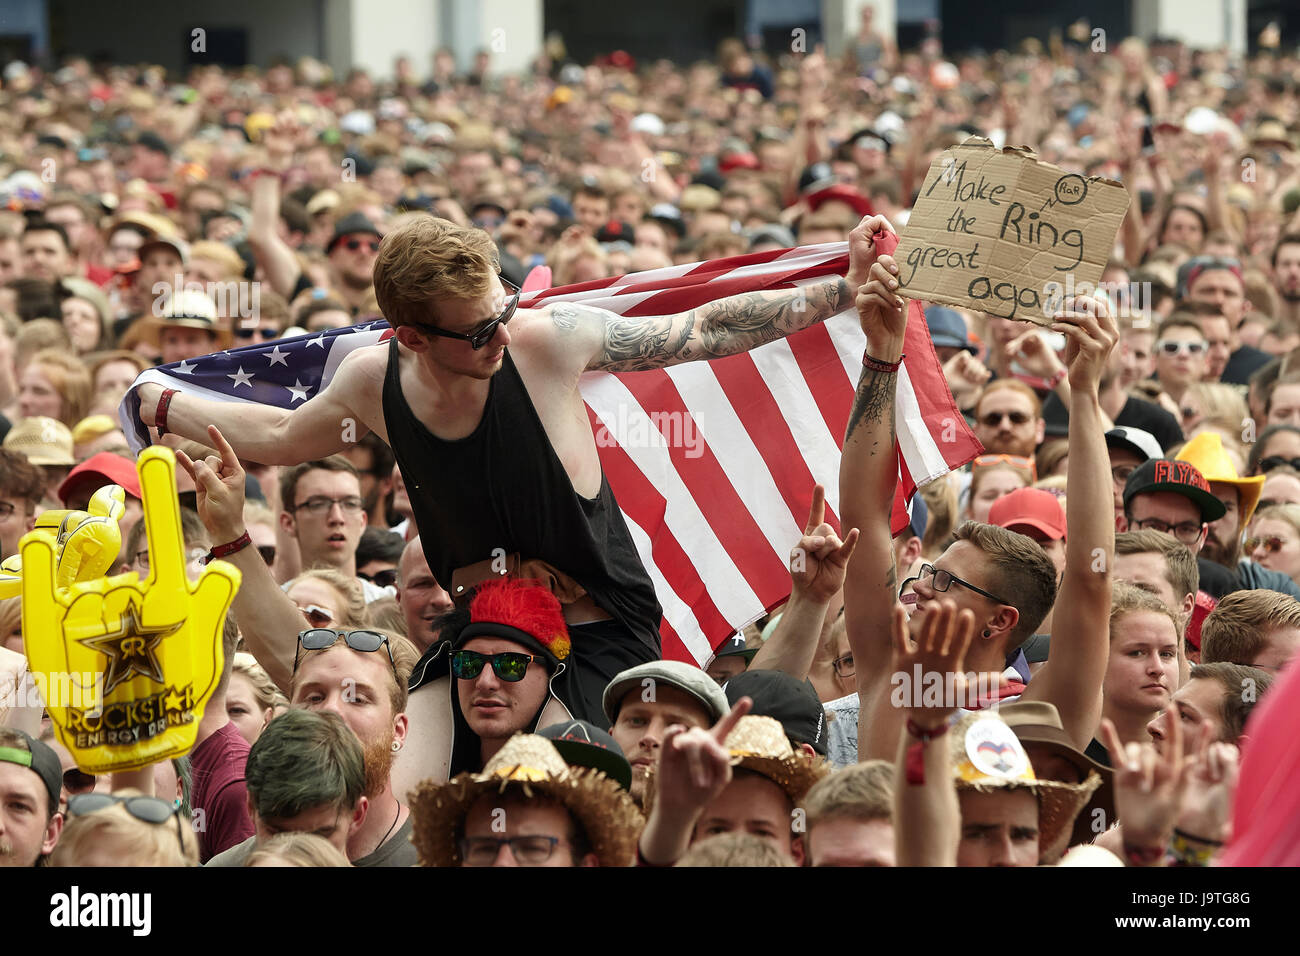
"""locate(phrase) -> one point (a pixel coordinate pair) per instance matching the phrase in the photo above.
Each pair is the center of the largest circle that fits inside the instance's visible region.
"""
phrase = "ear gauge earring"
(396, 746)
(987, 635)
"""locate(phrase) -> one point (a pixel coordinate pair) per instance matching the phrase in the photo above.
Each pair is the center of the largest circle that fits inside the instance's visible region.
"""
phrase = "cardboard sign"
(998, 231)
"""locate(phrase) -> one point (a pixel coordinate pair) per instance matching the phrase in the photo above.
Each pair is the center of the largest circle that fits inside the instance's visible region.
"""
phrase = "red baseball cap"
(841, 193)
(1030, 508)
(96, 471)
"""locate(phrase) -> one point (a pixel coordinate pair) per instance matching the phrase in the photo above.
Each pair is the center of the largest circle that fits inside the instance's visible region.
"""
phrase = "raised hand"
(881, 310)
(965, 375)
(1090, 334)
(1034, 354)
(144, 656)
(219, 487)
(1206, 810)
(939, 649)
(819, 560)
(1149, 787)
(695, 765)
(862, 251)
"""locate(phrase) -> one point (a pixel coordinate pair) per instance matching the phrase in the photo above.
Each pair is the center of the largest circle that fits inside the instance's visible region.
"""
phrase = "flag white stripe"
(676, 612)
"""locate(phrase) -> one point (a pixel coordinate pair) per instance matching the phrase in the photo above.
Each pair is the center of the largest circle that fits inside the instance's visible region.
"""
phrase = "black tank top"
(503, 486)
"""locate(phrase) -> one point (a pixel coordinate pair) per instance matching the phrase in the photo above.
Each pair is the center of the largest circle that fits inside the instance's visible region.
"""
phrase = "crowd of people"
(1057, 662)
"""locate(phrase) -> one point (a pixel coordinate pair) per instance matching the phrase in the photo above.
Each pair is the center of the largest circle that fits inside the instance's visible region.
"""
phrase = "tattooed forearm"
(726, 327)
(874, 402)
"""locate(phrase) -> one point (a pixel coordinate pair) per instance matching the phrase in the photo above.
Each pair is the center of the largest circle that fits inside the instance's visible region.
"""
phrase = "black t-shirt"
(1242, 364)
(1136, 413)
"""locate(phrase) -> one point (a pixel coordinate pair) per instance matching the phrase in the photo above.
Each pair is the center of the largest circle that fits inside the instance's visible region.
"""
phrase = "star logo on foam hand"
(131, 649)
(298, 390)
(278, 358)
(185, 367)
(318, 341)
(241, 378)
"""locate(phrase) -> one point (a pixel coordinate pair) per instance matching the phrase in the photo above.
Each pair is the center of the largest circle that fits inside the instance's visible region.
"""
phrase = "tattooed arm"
(868, 476)
(605, 341)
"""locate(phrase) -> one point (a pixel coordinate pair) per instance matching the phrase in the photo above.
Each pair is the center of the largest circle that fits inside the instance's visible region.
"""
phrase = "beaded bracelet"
(877, 365)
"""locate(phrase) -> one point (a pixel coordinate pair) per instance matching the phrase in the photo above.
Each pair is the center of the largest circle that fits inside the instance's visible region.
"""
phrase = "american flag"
(713, 463)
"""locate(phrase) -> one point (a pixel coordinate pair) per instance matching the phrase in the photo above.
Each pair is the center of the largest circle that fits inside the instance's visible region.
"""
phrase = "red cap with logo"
(1030, 508)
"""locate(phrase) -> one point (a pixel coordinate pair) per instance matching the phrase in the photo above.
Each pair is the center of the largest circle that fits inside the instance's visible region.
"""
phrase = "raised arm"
(817, 566)
(868, 478)
(273, 253)
(1071, 679)
(276, 436)
(604, 341)
(268, 620)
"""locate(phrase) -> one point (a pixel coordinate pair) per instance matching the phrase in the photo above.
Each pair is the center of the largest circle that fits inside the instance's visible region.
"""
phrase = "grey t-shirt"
(397, 850)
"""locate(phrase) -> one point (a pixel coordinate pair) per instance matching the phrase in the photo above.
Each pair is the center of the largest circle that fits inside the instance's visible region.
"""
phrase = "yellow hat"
(45, 441)
(1205, 451)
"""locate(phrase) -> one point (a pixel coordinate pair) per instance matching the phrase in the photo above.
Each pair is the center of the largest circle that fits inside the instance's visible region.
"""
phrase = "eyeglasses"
(380, 579)
(319, 638)
(1181, 348)
(1271, 544)
(352, 245)
(1120, 473)
(242, 333)
(1187, 531)
(1277, 461)
(946, 579)
(994, 419)
(319, 505)
(484, 335)
(1017, 461)
(146, 809)
(527, 850)
(509, 666)
(844, 666)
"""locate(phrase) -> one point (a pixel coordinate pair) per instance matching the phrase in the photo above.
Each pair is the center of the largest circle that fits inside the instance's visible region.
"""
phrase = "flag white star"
(318, 341)
(299, 391)
(277, 357)
(241, 378)
(185, 368)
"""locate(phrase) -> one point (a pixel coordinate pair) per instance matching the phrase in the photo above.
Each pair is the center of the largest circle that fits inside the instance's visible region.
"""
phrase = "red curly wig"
(526, 605)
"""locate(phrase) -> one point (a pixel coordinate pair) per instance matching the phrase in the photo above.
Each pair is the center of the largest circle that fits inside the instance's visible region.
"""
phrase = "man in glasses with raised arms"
(503, 467)
(1005, 579)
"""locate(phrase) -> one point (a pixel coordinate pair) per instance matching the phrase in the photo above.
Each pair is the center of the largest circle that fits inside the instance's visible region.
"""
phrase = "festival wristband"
(878, 365)
(915, 764)
(160, 414)
(1056, 379)
(1188, 850)
(224, 550)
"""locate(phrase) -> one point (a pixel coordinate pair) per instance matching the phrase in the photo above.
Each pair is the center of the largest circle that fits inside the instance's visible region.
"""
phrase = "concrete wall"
(1198, 23)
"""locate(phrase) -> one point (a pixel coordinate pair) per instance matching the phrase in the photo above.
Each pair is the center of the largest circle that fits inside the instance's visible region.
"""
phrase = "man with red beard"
(361, 676)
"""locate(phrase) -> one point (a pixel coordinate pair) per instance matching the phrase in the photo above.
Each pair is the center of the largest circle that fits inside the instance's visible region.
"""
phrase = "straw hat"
(1205, 451)
(608, 816)
(760, 744)
(186, 308)
(45, 441)
(987, 756)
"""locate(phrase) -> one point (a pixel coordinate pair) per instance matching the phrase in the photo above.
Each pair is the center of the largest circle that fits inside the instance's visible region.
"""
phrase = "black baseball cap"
(353, 222)
(583, 744)
(792, 702)
(1179, 477)
(734, 646)
(41, 759)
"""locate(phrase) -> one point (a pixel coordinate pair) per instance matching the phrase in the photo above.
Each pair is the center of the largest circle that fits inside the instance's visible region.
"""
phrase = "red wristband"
(1057, 379)
(160, 415)
(877, 365)
(222, 550)
(914, 765)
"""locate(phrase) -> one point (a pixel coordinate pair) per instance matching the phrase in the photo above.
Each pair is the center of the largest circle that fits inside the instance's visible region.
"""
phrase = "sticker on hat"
(156, 642)
(993, 750)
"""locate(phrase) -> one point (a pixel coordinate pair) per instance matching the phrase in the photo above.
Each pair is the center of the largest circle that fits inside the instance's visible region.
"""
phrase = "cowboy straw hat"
(987, 756)
(1205, 451)
(186, 308)
(605, 810)
(760, 744)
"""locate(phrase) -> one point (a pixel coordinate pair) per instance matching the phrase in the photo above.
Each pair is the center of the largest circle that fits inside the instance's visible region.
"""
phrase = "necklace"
(397, 817)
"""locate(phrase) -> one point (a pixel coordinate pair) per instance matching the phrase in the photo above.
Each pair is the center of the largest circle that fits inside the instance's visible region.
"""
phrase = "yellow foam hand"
(139, 660)
(85, 543)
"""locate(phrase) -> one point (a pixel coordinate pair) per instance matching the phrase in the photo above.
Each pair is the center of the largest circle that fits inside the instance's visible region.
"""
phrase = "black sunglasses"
(1276, 461)
(946, 579)
(352, 245)
(380, 579)
(242, 333)
(146, 809)
(509, 666)
(484, 335)
(319, 638)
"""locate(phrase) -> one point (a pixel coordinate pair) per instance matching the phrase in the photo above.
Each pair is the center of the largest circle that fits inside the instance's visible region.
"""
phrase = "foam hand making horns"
(127, 664)
(85, 543)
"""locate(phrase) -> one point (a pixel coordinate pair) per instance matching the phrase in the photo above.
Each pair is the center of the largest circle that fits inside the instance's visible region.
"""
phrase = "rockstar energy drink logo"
(132, 721)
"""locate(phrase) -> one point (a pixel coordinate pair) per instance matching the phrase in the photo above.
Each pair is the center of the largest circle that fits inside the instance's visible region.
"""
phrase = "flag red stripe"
(823, 372)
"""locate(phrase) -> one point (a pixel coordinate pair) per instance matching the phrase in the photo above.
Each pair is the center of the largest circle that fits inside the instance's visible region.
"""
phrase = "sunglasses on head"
(509, 666)
(1016, 461)
(319, 638)
(1276, 461)
(316, 615)
(145, 809)
(485, 332)
(1181, 348)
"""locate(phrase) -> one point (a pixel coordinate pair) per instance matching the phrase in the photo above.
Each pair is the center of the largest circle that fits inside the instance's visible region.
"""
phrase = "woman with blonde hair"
(297, 849)
(991, 477)
(1274, 540)
(124, 829)
(56, 385)
(251, 697)
(328, 598)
